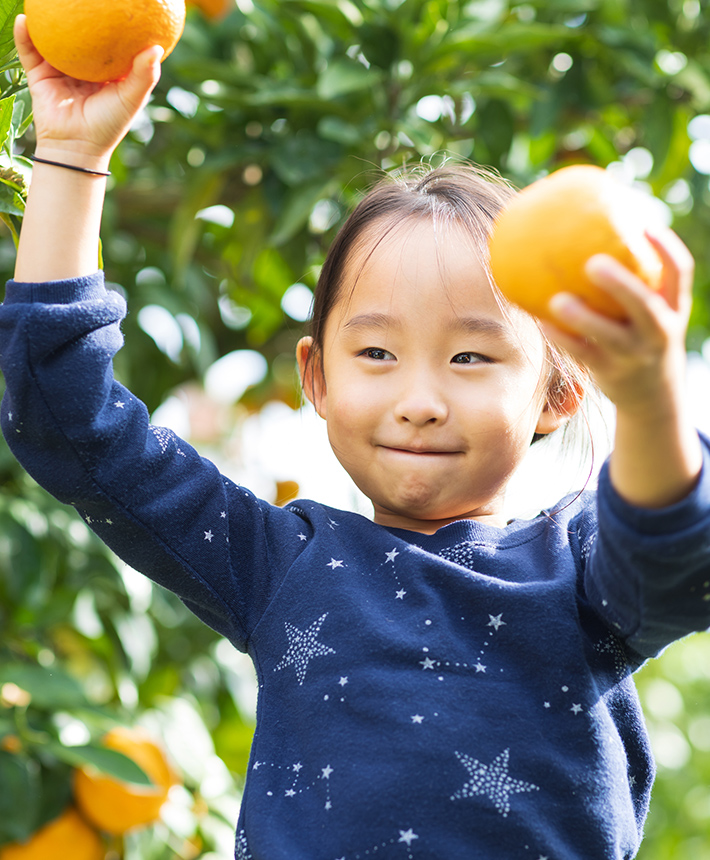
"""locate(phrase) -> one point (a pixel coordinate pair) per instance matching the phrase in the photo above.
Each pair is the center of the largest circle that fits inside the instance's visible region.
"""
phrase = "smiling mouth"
(420, 451)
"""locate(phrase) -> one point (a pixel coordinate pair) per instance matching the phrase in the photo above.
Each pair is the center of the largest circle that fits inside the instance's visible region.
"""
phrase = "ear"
(310, 368)
(563, 400)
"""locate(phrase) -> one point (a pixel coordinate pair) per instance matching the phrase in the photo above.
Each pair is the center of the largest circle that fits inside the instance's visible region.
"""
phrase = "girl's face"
(430, 392)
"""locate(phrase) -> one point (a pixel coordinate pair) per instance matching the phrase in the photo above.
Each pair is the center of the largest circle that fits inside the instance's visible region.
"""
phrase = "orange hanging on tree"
(115, 806)
(97, 41)
(213, 9)
(544, 237)
(67, 836)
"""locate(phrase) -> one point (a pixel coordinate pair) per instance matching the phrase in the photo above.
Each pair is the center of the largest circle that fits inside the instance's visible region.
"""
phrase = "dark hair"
(454, 192)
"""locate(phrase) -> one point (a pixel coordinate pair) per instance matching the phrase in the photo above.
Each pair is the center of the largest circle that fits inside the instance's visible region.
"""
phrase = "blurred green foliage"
(265, 128)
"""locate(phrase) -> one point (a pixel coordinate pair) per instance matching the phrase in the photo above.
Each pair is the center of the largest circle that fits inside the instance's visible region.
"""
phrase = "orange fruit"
(542, 240)
(286, 491)
(213, 8)
(115, 806)
(66, 836)
(11, 744)
(97, 40)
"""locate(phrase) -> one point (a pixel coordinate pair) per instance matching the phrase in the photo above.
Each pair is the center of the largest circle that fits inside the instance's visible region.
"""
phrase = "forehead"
(420, 268)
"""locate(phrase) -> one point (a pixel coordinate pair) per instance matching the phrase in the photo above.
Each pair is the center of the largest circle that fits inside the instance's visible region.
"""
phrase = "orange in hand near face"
(542, 240)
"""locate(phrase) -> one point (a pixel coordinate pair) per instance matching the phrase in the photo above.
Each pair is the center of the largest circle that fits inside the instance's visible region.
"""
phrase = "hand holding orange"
(543, 239)
(97, 40)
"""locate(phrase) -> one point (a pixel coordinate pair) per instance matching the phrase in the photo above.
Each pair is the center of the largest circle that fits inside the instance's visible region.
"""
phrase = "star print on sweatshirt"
(463, 694)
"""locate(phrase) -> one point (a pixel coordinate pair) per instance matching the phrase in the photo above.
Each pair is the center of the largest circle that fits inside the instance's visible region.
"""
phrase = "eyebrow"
(468, 325)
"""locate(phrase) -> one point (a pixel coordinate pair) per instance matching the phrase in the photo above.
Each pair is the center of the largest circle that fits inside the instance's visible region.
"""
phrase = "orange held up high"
(96, 40)
(543, 239)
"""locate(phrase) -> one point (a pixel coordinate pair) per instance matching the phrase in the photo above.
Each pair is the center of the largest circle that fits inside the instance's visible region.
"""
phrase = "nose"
(421, 402)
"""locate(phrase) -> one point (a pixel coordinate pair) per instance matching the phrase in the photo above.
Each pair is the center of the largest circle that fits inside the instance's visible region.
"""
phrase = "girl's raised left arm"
(640, 365)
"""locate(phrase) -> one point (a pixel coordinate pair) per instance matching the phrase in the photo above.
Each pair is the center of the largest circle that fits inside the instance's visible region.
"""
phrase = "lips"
(420, 451)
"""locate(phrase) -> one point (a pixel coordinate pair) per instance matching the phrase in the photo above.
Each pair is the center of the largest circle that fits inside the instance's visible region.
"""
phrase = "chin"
(424, 510)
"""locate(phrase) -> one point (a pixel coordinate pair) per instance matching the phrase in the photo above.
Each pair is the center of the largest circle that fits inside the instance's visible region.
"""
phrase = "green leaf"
(271, 273)
(496, 128)
(50, 689)
(56, 792)
(296, 210)
(7, 107)
(345, 76)
(503, 41)
(18, 113)
(11, 203)
(107, 761)
(19, 797)
(304, 158)
(9, 10)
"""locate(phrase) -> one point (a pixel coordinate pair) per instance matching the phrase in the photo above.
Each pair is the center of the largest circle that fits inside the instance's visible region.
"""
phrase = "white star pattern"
(119, 404)
(612, 647)
(303, 647)
(241, 848)
(335, 562)
(165, 438)
(209, 536)
(492, 781)
(427, 663)
(343, 681)
(327, 771)
(496, 621)
(400, 594)
(576, 709)
(418, 719)
(407, 836)
(392, 555)
(302, 536)
(479, 667)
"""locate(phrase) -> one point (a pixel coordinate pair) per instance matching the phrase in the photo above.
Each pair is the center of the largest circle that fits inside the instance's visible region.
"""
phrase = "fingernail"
(564, 305)
(600, 266)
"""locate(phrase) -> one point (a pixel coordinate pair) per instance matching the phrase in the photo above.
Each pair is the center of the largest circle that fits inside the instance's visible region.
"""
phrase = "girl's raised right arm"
(77, 123)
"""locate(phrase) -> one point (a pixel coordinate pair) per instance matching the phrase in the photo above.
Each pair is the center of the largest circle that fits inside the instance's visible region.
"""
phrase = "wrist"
(74, 154)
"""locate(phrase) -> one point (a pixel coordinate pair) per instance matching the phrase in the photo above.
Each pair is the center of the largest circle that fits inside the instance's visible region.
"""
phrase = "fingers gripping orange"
(542, 241)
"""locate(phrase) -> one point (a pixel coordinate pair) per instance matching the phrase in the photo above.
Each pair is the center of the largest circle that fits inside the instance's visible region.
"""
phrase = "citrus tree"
(270, 119)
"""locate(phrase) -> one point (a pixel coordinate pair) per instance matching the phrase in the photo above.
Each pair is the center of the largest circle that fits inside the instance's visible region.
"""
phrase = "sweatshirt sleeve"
(648, 571)
(85, 438)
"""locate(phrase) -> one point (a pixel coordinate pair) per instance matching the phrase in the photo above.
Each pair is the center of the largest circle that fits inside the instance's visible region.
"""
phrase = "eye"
(377, 354)
(470, 358)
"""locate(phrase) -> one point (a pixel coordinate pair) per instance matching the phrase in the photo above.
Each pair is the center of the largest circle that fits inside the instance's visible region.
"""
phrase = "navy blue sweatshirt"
(466, 694)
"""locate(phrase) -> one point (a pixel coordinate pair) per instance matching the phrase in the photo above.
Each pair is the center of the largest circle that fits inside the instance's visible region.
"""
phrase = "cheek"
(351, 410)
(509, 406)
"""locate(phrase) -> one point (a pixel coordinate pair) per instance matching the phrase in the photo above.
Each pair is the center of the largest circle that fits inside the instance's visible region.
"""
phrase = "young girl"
(439, 682)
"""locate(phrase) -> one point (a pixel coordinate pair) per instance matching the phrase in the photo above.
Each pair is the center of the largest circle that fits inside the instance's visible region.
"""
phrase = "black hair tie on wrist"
(69, 166)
